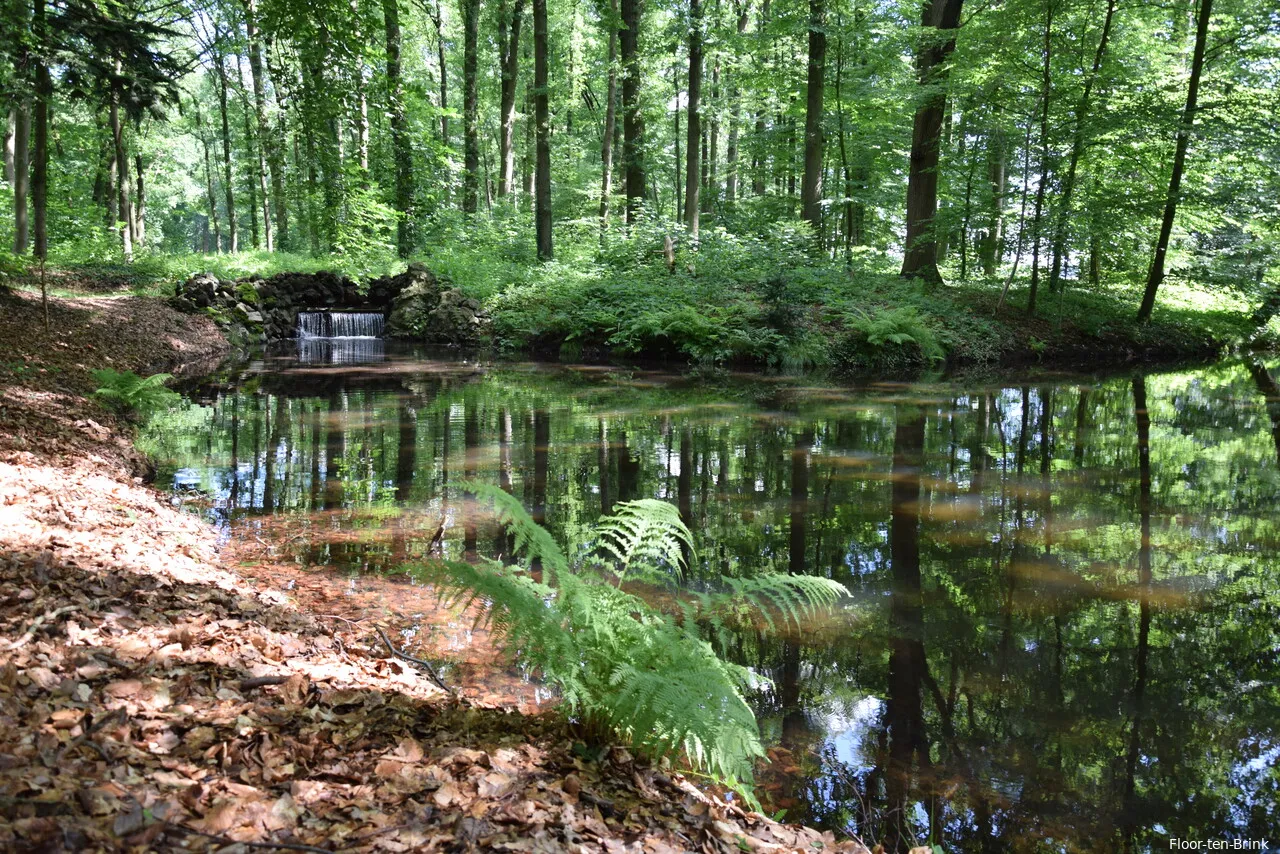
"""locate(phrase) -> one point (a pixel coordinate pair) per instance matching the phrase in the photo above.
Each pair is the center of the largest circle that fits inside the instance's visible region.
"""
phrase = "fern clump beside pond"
(619, 662)
(127, 393)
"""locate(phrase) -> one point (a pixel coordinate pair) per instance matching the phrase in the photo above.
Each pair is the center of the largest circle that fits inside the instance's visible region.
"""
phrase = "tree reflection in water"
(1060, 633)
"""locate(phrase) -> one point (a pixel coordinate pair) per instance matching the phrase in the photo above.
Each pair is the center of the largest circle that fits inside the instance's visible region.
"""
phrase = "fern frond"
(532, 540)
(644, 536)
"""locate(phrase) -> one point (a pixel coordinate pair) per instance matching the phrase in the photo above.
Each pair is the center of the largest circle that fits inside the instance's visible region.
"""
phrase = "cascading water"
(340, 324)
(340, 337)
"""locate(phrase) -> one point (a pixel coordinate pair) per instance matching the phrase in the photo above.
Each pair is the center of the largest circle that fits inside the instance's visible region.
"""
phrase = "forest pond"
(1060, 629)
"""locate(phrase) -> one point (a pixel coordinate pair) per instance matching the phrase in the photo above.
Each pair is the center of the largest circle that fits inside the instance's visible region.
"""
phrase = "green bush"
(620, 663)
(892, 342)
(129, 394)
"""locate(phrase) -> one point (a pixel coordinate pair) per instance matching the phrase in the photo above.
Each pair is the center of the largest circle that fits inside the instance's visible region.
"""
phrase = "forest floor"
(153, 697)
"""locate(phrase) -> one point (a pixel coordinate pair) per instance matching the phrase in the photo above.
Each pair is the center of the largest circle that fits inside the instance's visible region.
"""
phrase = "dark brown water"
(1062, 630)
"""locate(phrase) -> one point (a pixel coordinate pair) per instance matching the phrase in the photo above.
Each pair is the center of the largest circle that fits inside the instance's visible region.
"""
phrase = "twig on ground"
(37, 623)
(336, 617)
(435, 677)
(259, 681)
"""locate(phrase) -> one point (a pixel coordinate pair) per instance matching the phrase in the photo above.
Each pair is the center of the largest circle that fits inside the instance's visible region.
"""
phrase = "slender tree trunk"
(1046, 86)
(530, 134)
(677, 179)
(811, 185)
(470, 106)
(21, 175)
(1077, 146)
(1156, 274)
(40, 156)
(437, 18)
(610, 120)
(401, 151)
(253, 157)
(9, 131)
(362, 123)
(124, 209)
(208, 177)
(139, 200)
(710, 167)
(632, 118)
(731, 178)
(847, 223)
(692, 185)
(509, 59)
(1022, 216)
(227, 180)
(542, 115)
(921, 251)
(265, 143)
(989, 251)
(275, 145)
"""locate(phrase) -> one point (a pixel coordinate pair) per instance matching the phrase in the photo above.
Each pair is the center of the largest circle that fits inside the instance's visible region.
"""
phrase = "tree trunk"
(610, 120)
(208, 177)
(21, 175)
(470, 106)
(710, 168)
(811, 185)
(124, 208)
(401, 152)
(509, 59)
(274, 144)
(9, 132)
(743, 9)
(265, 143)
(40, 155)
(693, 134)
(1156, 274)
(228, 183)
(1077, 146)
(253, 154)
(921, 251)
(989, 251)
(632, 118)
(542, 115)
(437, 18)
(140, 200)
(1046, 86)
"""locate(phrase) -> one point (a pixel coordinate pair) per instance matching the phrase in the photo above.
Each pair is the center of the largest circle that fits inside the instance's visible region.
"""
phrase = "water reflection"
(341, 351)
(1060, 633)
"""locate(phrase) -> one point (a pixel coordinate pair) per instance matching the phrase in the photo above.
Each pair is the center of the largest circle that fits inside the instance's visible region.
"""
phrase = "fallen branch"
(425, 665)
(37, 623)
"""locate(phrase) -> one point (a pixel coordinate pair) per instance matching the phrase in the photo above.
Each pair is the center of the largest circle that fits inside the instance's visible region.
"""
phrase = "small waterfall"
(340, 324)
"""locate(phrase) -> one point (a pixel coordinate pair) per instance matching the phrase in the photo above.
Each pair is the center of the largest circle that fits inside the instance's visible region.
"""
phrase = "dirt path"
(153, 698)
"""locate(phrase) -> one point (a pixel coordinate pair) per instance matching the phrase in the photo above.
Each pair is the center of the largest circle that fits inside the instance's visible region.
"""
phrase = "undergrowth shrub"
(892, 342)
(129, 394)
(620, 663)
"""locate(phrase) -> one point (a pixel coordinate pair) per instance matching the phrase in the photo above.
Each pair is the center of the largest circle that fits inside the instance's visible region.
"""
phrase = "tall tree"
(228, 184)
(1046, 94)
(610, 119)
(1077, 147)
(542, 115)
(632, 117)
(509, 61)
(811, 184)
(40, 154)
(268, 158)
(939, 20)
(470, 105)
(21, 112)
(692, 183)
(401, 150)
(1156, 274)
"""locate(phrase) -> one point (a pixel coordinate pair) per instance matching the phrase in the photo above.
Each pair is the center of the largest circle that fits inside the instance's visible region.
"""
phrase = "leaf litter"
(153, 699)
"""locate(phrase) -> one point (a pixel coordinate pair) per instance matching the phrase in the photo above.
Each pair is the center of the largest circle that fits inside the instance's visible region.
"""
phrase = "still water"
(1062, 627)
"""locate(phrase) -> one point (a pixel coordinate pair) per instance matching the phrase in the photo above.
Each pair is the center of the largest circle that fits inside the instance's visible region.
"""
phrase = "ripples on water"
(1061, 628)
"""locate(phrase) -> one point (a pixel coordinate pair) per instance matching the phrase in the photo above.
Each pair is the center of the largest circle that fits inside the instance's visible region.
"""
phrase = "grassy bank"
(765, 301)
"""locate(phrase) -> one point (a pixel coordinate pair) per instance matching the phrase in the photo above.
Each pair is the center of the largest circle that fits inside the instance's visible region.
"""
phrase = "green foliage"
(619, 662)
(887, 341)
(127, 393)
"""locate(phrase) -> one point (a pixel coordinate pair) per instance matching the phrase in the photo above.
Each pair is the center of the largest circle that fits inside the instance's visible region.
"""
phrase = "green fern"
(126, 392)
(620, 663)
